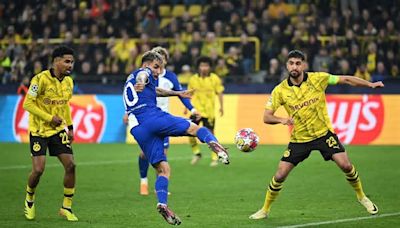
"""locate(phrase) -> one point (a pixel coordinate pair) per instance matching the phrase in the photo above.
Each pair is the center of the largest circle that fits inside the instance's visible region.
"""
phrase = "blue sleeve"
(178, 87)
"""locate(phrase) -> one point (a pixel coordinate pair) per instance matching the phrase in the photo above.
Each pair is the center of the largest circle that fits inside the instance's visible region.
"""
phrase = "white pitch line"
(91, 163)
(341, 220)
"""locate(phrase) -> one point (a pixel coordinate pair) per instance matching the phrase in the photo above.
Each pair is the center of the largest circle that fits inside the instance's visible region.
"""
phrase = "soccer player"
(150, 125)
(303, 97)
(47, 102)
(207, 86)
(166, 80)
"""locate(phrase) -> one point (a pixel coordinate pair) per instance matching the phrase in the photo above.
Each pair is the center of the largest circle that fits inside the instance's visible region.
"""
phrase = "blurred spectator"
(23, 86)
(380, 74)
(350, 4)
(274, 71)
(278, 8)
(221, 69)
(151, 24)
(247, 50)
(233, 61)
(362, 72)
(371, 57)
(5, 67)
(185, 75)
(124, 47)
(322, 61)
(211, 43)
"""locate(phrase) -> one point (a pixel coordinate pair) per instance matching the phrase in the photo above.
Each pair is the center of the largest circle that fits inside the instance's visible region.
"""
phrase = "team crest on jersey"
(286, 153)
(36, 146)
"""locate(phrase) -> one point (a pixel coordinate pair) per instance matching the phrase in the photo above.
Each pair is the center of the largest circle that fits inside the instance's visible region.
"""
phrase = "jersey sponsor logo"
(88, 116)
(48, 101)
(356, 120)
(304, 104)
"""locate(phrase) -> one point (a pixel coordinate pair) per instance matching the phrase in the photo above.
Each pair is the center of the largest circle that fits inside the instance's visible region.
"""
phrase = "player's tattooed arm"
(169, 93)
(141, 80)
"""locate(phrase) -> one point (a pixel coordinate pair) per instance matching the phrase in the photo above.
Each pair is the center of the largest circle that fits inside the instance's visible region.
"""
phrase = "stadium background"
(352, 37)
(247, 40)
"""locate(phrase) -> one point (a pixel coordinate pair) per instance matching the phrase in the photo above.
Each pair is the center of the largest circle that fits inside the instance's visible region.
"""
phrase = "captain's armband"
(333, 80)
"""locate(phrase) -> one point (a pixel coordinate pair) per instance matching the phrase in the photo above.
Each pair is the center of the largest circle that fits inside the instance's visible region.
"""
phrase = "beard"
(294, 74)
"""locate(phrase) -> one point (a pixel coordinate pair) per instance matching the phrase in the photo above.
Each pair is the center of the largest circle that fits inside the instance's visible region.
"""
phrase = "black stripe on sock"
(272, 188)
(68, 195)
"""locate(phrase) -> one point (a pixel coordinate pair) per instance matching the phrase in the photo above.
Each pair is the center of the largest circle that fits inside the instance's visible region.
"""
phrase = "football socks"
(272, 193)
(161, 186)
(354, 180)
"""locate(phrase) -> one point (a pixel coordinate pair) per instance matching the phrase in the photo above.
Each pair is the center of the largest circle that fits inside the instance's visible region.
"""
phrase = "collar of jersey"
(163, 73)
(54, 76)
(304, 79)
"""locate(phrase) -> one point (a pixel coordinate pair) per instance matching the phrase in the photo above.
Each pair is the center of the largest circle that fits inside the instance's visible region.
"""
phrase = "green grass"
(224, 196)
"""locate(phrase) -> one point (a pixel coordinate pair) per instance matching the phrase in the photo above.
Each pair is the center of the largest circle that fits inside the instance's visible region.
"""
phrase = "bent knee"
(193, 128)
(346, 167)
(38, 171)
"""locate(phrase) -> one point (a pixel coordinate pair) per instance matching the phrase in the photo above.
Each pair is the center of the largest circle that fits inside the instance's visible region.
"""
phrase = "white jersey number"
(130, 103)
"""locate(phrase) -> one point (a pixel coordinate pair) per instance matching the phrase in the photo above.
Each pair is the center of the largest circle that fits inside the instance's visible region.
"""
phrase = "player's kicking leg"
(205, 136)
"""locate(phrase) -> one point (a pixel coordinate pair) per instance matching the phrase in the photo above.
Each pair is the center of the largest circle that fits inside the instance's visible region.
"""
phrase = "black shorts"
(210, 124)
(327, 145)
(57, 144)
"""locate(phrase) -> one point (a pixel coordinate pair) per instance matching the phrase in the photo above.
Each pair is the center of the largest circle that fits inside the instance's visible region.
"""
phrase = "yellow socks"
(272, 193)
(195, 145)
(68, 194)
(354, 180)
(30, 194)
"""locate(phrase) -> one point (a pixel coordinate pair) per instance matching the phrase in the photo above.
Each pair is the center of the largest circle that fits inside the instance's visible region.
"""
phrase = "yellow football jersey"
(47, 96)
(306, 104)
(206, 89)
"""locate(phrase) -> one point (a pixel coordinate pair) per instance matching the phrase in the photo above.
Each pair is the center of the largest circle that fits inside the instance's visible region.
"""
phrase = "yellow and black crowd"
(349, 37)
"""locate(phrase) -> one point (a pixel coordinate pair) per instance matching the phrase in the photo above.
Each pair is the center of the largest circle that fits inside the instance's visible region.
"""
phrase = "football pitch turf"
(316, 193)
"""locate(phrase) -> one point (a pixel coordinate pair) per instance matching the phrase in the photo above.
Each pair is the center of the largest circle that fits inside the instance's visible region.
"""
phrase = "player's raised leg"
(38, 166)
(273, 189)
(143, 169)
(205, 136)
(69, 186)
(342, 160)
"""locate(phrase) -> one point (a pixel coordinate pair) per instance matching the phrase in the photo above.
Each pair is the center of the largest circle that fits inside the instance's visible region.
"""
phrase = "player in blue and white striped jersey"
(149, 125)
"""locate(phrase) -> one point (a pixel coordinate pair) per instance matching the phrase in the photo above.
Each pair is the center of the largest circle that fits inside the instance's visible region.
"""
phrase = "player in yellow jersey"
(303, 97)
(207, 86)
(47, 102)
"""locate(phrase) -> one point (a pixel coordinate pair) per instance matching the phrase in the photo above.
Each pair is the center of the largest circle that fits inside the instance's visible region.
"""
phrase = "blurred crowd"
(347, 37)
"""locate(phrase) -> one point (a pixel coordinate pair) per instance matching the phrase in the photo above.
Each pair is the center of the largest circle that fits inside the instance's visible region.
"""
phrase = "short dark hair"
(296, 54)
(60, 51)
(150, 56)
(203, 59)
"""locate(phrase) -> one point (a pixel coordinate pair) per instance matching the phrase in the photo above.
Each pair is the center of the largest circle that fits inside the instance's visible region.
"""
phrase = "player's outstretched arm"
(169, 93)
(354, 81)
(270, 118)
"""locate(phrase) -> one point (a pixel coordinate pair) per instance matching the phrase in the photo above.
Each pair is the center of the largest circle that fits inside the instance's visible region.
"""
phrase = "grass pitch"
(203, 196)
